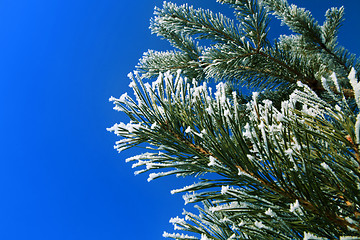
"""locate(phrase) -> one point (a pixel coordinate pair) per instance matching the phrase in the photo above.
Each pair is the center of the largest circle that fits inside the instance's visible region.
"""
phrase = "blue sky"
(60, 61)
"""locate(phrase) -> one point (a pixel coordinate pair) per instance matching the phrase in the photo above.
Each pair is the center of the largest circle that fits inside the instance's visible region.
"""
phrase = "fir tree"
(283, 163)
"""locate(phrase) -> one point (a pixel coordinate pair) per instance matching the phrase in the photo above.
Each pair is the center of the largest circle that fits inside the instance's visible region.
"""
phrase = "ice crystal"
(294, 206)
(270, 213)
(177, 235)
(259, 224)
(212, 161)
(224, 189)
(308, 236)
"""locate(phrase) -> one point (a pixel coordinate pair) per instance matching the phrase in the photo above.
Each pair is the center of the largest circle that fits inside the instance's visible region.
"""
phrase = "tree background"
(60, 62)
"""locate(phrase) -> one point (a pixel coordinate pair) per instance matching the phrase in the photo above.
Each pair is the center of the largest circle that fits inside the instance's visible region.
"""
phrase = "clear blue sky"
(60, 61)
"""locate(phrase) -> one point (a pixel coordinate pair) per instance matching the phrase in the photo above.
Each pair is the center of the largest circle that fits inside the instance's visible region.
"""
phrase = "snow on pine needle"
(190, 130)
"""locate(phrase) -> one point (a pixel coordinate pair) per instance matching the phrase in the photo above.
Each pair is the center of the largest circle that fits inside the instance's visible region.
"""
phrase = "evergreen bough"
(282, 163)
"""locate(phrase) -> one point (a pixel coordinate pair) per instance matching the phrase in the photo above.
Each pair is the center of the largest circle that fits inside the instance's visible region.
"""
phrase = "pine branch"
(272, 164)
(203, 24)
(152, 63)
(256, 64)
(288, 169)
(254, 21)
(322, 38)
(330, 28)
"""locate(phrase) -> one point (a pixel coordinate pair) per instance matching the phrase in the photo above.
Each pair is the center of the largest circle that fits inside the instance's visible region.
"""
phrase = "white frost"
(177, 235)
(349, 238)
(154, 126)
(204, 237)
(294, 206)
(224, 189)
(289, 152)
(308, 236)
(325, 166)
(212, 161)
(259, 224)
(270, 213)
(177, 220)
(188, 130)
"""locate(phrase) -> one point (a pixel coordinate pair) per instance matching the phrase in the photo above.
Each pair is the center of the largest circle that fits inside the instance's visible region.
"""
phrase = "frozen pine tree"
(280, 163)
